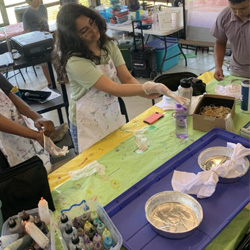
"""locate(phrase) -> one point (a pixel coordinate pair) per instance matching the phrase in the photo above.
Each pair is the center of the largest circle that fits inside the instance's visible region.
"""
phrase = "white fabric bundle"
(204, 183)
(91, 168)
(52, 149)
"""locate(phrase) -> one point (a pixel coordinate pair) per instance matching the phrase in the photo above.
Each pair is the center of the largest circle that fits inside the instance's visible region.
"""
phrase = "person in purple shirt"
(233, 25)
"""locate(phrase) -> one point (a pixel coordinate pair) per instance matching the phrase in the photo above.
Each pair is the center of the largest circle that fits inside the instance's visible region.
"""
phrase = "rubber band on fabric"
(215, 111)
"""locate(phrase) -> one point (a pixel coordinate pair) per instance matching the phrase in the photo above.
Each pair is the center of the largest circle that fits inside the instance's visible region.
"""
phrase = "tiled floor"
(135, 105)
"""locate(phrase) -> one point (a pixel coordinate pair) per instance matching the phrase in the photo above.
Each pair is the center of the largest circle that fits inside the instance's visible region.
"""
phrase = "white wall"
(200, 17)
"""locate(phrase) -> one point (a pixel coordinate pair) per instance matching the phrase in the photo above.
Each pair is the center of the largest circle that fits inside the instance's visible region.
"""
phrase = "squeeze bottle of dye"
(96, 221)
(105, 234)
(93, 215)
(41, 225)
(85, 238)
(91, 233)
(68, 233)
(89, 245)
(100, 228)
(21, 243)
(83, 218)
(87, 226)
(26, 217)
(108, 243)
(6, 240)
(64, 220)
(98, 246)
(14, 226)
(43, 211)
(76, 242)
(185, 89)
(97, 238)
(76, 223)
(36, 234)
(181, 129)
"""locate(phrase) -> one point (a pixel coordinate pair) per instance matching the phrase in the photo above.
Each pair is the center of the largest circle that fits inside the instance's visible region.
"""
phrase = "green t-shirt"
(83, 74)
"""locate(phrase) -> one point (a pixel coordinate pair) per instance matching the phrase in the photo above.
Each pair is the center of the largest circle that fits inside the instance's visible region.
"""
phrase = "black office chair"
(172, 80)
(123, 108)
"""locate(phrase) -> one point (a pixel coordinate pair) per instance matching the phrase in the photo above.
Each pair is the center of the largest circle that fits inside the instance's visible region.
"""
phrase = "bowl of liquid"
(173, 214)
(213, 156)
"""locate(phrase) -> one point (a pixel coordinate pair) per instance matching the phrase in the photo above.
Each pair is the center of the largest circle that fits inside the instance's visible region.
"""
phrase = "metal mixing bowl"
(173, 214)
(212, 156)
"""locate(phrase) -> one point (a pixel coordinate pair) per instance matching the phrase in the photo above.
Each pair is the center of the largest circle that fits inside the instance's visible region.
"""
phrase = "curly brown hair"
(68, 42)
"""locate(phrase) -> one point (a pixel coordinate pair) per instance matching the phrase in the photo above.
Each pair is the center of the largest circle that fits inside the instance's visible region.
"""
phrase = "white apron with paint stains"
(18, 149)
(97, 113)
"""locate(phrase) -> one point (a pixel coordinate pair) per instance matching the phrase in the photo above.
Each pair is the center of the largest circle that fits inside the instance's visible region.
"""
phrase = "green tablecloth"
(125, 167)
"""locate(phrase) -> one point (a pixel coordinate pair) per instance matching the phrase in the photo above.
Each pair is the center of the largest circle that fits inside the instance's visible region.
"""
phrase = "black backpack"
(22, 186)
(172, 81)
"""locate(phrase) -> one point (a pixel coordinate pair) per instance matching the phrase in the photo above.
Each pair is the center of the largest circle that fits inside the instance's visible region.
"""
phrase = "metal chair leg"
(22, 75)
(34, 70)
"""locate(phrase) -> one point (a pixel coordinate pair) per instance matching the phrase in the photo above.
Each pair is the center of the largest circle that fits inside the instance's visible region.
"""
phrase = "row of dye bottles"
(86, 231)
(30, 228)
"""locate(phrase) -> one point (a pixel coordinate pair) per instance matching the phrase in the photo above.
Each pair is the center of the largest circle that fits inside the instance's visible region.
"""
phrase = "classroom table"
(11, 30)
(120, 145)
(156, 32)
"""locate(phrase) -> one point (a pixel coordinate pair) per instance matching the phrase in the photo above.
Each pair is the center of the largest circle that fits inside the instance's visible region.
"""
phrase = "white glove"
(159, 88)
(52, 149)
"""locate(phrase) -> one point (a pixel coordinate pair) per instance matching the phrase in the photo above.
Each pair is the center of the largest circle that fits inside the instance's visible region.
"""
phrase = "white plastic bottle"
(37, 235)
(14, 226)
(68, 233)
(64, 220)
(76, 242)
(43, 211)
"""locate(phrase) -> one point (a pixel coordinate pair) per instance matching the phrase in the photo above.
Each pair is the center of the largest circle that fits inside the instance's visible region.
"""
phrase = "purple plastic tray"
(128, 214)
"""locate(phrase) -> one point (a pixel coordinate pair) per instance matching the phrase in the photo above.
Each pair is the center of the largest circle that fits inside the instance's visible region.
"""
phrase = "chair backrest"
(19, 13)
(172, 80)
(123, 108)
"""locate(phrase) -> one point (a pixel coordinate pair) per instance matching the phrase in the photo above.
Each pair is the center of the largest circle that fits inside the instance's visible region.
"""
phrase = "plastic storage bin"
(78, 209)
(172, 49)
(34, 212)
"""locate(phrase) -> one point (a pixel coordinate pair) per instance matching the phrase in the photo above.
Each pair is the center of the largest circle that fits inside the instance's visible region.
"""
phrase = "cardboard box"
(205, 123)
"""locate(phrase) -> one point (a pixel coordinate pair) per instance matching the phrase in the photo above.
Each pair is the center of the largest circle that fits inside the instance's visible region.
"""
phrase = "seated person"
(35, 18)
(94, 66)
(18, 142)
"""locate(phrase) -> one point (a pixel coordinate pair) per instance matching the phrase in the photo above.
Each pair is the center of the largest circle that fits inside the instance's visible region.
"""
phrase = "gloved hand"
(153, 88)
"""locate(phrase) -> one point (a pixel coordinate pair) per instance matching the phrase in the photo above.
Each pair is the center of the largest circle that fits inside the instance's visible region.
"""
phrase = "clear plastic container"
(34, 212)
(78, 209)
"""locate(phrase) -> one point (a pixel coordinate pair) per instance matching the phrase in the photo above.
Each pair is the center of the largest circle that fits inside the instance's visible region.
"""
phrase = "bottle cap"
(68, 229)
(11, 222)
(37, 221)
(185, 83)
(26, 216)
(75, 239)
(64, 218)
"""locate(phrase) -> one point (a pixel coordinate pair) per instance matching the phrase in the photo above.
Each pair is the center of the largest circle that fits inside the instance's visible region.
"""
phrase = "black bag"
(143, 59)
(199, 87)
(22, 186)
(172, 80)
